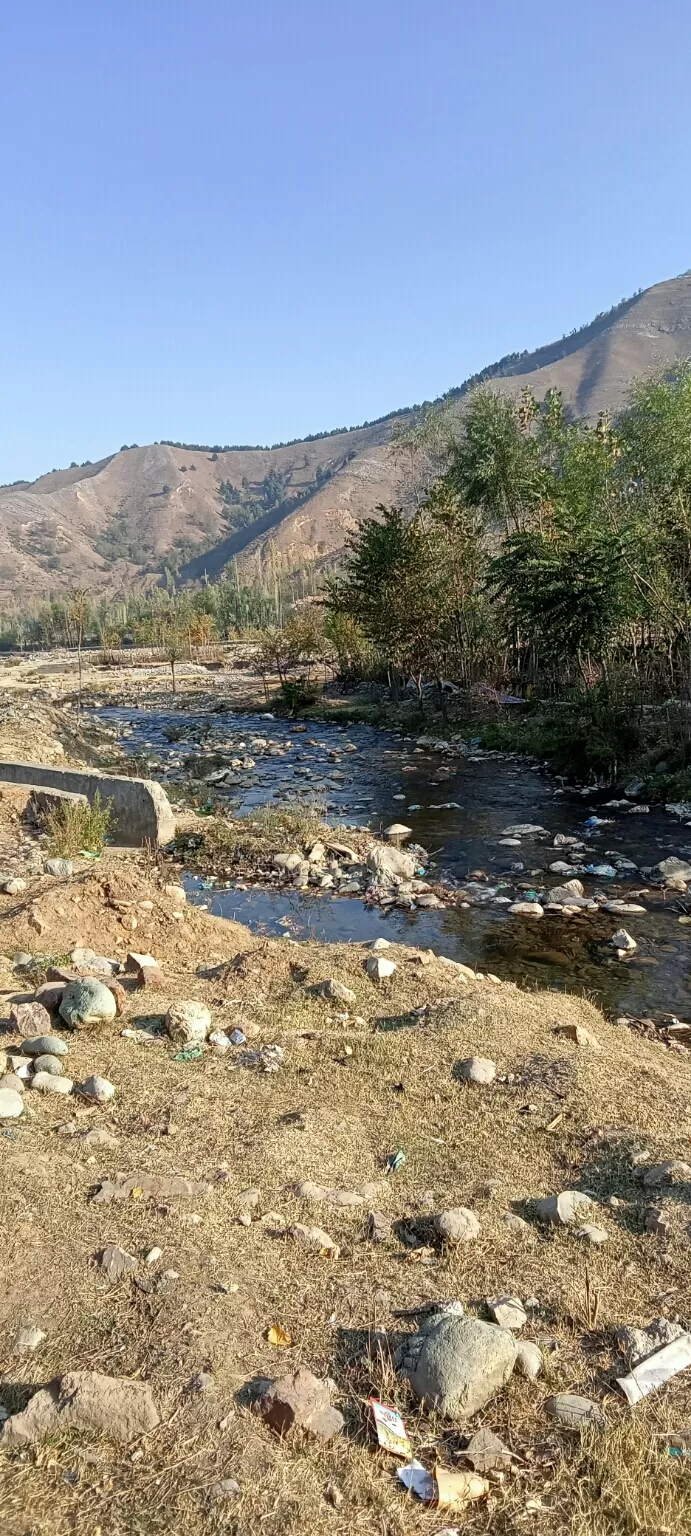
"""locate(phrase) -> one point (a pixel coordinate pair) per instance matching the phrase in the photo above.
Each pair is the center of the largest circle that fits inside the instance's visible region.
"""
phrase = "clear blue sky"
(242, 222)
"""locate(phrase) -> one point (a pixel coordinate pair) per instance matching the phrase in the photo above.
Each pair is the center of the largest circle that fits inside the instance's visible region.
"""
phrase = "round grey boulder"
(458, 1364)
(188, 1023)
(458, 1225)
(50, 1064)
(87, 1002)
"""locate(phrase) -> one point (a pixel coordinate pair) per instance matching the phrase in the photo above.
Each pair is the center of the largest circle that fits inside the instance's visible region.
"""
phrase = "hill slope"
(113, 526)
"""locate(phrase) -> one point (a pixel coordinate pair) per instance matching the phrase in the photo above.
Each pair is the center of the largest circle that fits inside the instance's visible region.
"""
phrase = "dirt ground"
(354, 1086)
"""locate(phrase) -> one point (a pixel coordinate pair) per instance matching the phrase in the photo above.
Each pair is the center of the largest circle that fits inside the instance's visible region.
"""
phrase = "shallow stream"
(458, 807)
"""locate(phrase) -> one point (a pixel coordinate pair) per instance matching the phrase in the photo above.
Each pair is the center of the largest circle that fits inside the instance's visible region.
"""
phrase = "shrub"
(73, 828)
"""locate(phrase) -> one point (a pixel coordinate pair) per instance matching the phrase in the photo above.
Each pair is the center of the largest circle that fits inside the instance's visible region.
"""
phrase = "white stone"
(477, 1069)
(379, 968)
(11, 1106)
(97, 1088)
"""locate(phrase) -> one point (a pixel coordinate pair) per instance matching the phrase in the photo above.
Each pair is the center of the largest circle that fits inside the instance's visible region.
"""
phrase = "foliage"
(73, 828)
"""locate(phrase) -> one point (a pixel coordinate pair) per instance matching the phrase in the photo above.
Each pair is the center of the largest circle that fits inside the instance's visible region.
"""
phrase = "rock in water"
(526, 909)
(87, 1002)
(390, 864)
(397, 829)
(457, 1364)
(622, 940)
(188, 1023)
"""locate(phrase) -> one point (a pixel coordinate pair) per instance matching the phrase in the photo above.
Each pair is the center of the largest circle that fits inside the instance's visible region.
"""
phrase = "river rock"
(477, 1069)
(397, 830)
(88, 960)
(300, 1401)
(529, 1359)
(565, 1209)
(30, 1019)
(622, 940)
(10, 1080)
(50, 1064)
(188, 1023)
(44, 1045)
(335, 990)
(457, 1225)
(508, 1312)
(11, 1106)
(60, 868)
(526, 909)
(669, 869)
(97, 1088)
(457, 1364)
(45, 1082)
(622, 908)
(524, 829)
(87, 1001)
(390, 864)
(572, 1411)
(379, 968)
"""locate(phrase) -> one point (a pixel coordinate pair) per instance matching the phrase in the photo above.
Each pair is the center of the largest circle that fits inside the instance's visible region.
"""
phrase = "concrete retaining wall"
(142, 812)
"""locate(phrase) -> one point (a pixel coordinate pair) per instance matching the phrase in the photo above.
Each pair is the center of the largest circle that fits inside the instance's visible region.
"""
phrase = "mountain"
(114, 526)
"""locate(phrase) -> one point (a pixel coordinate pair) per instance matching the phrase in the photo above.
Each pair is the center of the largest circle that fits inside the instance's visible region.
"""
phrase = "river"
(458, 807)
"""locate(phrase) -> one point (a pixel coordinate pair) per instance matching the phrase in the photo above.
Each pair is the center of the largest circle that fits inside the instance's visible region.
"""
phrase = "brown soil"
(349, 1093)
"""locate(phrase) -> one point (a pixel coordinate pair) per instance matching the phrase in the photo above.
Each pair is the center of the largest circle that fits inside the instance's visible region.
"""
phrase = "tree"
(78, 615)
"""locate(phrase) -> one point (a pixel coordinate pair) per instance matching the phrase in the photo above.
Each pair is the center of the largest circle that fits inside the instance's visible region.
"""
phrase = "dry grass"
(74, 828)
(251, 840)
(570, 1117)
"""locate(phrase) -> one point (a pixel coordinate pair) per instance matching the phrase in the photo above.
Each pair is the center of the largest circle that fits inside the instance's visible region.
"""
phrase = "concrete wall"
(142, 812)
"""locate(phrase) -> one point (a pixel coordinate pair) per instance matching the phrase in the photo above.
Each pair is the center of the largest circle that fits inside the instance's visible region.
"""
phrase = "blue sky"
(246, 222)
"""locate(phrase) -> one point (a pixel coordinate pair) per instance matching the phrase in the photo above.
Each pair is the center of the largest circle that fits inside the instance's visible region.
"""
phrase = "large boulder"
(87, 1002)
(457, 1364)
(188, 1022)
(390, 865)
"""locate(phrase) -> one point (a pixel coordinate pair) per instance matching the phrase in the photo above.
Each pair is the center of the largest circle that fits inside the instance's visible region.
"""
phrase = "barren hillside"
(116, 524)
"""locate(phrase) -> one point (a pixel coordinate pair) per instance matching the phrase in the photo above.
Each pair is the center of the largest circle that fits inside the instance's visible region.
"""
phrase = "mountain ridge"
(115, 525)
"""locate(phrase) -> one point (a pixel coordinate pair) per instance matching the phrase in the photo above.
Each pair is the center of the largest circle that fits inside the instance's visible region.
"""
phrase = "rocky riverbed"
(498, 845)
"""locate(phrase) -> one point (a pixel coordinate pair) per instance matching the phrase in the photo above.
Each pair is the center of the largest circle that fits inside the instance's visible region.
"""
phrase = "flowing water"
(458, 807)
